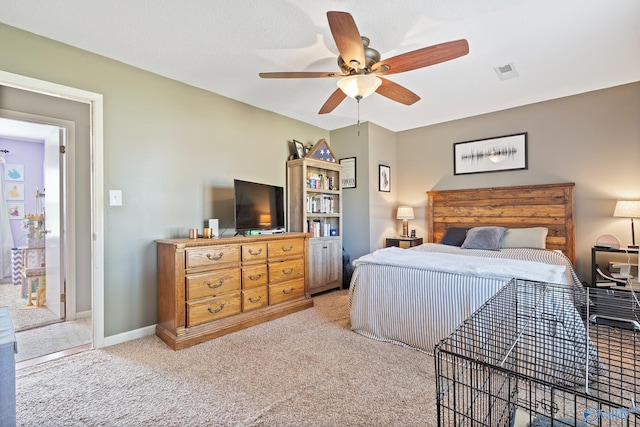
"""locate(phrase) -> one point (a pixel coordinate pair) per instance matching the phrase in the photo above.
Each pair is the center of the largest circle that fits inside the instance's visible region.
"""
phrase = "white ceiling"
(25, 131)
(559, 48)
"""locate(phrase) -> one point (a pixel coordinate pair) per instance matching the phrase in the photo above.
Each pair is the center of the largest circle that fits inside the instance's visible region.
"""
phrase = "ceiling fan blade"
(334, 100)
(299, 75)
(422, 57)
(397, 93)
(347, 37)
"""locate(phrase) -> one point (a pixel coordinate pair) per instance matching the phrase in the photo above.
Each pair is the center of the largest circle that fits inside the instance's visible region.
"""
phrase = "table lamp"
(628, 209)
(405, 213)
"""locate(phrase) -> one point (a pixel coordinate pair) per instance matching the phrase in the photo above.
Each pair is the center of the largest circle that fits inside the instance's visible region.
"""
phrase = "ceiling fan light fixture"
(360, 85)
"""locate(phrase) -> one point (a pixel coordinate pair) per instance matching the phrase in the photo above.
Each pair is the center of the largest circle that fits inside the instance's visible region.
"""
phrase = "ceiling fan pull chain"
(358, 99)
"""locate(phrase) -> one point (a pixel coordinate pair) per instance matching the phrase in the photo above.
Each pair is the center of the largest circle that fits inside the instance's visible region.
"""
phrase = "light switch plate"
(115, 197)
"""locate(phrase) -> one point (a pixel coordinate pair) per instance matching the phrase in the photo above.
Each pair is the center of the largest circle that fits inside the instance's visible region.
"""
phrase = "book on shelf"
(318, 228)
(322, 203)
(318, 181)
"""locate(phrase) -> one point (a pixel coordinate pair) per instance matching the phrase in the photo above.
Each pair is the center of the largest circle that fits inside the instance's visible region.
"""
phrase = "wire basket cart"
(540, 354)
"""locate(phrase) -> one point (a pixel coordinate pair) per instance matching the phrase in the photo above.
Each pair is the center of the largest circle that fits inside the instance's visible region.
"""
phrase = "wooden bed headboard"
(548, 205)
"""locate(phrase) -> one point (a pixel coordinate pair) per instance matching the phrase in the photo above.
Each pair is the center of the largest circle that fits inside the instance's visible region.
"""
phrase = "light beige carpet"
(305, 369)
(48, 339)
(11, 296)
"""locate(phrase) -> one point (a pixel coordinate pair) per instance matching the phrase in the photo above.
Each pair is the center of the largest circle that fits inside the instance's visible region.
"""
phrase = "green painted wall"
(171, 148)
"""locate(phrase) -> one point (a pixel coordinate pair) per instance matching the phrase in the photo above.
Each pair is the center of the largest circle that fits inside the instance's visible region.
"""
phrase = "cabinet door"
(325, 264)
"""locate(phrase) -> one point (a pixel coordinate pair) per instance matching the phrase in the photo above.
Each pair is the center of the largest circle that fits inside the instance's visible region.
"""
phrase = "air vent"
(506, 72)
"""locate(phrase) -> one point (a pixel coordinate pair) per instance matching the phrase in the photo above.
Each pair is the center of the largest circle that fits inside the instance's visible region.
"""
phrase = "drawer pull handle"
(215, 257)
(289, 249)
(212, 286)
(255, 300)
(217, 310)
(287, 272)
(255, 277)
(290, 291)
(255, 253)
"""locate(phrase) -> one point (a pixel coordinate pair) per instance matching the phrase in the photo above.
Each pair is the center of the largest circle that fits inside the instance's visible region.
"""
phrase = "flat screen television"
(258, 206)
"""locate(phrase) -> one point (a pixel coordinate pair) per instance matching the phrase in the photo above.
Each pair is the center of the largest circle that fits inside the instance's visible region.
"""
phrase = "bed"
(416, 297)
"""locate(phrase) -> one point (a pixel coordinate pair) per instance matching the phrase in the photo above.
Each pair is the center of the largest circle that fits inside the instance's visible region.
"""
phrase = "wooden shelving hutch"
(314, 200)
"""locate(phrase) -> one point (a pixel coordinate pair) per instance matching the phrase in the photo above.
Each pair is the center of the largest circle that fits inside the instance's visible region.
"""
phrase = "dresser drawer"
(254, 252)
(213, 309)
(285, 270)
(255, 298)
(254, 276)
(286, 248)
(286, 291)
(213, 283)
(213, 255)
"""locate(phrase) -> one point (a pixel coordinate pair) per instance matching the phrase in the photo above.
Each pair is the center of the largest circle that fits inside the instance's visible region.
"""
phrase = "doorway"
(44, 96)
(36, 151)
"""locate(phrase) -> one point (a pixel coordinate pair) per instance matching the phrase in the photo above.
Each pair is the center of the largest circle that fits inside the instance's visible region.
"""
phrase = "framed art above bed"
(508, 152)
(545, 205)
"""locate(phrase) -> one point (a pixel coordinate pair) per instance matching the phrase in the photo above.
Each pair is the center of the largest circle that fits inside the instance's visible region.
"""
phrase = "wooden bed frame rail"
(547, 205)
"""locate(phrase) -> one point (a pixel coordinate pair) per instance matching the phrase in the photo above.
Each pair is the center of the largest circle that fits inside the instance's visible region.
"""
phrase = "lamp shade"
(627, 209)
(360, 85)
(405, 212)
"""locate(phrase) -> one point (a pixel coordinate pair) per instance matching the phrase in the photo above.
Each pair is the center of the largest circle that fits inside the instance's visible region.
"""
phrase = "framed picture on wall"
(384, 178)
(13, 191)
(348, 176)
(16, 210)
(508, 152)
(13, 172)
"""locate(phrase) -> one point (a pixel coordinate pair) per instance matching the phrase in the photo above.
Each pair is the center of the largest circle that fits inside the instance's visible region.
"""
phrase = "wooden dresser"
(211, 287)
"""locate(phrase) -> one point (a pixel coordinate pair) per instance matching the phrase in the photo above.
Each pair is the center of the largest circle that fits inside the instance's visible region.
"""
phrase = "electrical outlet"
(115, 197)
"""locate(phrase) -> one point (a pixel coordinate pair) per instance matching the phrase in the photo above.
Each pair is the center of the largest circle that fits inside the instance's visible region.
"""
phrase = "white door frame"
(97, 178)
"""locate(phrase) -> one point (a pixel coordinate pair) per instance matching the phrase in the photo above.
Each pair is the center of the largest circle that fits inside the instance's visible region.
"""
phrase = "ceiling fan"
(361, 70)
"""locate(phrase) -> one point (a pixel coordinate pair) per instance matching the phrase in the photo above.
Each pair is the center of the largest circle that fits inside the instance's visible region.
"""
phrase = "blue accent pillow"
(454, 236)
(484, 238)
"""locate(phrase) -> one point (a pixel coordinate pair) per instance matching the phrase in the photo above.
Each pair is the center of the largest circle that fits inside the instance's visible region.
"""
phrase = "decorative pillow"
(534, 237)
(484, 238)
(454, 236)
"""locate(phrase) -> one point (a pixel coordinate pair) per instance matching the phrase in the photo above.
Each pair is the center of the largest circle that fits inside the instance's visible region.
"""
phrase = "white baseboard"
(129, 335)
(83, 314)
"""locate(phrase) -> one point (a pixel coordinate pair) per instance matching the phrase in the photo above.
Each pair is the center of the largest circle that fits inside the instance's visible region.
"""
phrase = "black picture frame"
(384, 178)
(348, 177)
(500, 153)
(300, 152)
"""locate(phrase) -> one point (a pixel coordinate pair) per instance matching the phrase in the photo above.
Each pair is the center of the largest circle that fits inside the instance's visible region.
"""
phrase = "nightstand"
(595, 277)
(403, 242)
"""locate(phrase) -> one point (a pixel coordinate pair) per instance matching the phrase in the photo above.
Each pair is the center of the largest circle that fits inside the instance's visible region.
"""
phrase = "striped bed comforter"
(414, 306)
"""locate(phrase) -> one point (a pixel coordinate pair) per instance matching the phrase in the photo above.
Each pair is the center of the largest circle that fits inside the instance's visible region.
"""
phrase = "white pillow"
(534, 237)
